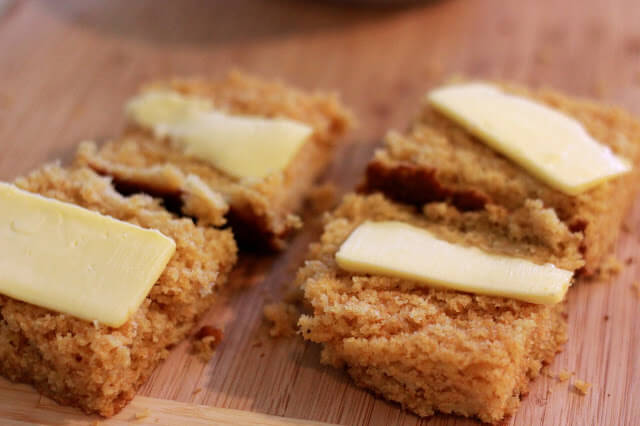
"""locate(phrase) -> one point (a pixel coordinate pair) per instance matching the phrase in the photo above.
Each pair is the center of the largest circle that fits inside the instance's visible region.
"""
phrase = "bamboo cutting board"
(66, 67)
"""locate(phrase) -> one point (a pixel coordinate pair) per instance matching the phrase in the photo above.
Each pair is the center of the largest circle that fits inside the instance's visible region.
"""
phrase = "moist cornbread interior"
(92, 366)
(262, 211)
(436, 159)
(437, 350)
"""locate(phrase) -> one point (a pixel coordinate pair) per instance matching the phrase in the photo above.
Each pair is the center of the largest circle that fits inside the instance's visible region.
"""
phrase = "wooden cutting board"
(66, 67)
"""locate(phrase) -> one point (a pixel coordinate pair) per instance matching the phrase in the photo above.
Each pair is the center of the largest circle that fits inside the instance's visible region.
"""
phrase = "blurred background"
(66, 66)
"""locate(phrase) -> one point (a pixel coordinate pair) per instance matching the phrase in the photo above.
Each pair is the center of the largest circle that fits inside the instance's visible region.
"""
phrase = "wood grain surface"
(66, 67)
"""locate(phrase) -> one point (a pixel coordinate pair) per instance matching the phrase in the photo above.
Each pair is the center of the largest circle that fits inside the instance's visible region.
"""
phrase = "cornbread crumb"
(581, 387)
(609, 269)
(95, 367)
(284, 317)
(143, 414)
(564, 375)
(322, 198)
(635, 287)
(199, 201)
(206, 341)
(196, 391)
(425, 348)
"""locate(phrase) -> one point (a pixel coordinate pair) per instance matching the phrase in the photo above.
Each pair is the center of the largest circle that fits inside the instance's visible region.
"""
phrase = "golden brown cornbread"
(92, 366)
(436, 350)
(260, 209)
(436, 159)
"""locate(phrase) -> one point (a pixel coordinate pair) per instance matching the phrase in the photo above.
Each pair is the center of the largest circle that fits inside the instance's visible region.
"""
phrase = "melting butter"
(72, 260)
(401, 250)
(241, 146)
(550, 145)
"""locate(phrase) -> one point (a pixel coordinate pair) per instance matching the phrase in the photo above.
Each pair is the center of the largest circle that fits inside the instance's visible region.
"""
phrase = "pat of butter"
(401, 250)
(550, 145)
(241, 146)
(72, 260)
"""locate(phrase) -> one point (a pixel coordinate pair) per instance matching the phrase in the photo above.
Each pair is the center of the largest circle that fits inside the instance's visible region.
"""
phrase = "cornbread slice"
(261, 210)
(436, 159)
(92, 366)
(437, 350)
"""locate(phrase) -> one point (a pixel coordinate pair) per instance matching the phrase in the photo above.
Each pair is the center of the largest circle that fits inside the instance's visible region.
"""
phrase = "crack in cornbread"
(260, 209)
(437, 160)
(92, 366)
(430, 349)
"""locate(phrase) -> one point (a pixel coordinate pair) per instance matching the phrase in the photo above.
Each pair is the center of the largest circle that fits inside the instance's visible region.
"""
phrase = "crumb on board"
(143, 414)
(610, 268)
(635, 287)
(293, 295)
(95, 423)
(606, 317)
(206, 341)
(629, 260)
(196, 391)
(581, 387)
(545, 371)
(564, 375)
(322, 198)
(284, 317)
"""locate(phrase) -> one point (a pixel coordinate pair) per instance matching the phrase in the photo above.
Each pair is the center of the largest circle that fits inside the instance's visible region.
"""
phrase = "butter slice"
(75, 261)
(241, 146)
(550, 145)
(401, 250)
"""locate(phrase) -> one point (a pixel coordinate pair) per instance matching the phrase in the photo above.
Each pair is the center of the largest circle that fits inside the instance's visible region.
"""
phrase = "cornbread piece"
(261, 210)
(436, 159)
(429, 349)
(92, 366)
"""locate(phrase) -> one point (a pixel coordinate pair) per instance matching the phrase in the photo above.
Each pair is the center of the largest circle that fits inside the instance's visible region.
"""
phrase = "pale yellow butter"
(241, 146)
(550, 145)
(72, 260)
(401, 250)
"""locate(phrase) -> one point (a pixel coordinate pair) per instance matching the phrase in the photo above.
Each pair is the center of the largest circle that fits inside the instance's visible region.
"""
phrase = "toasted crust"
(92, 366)
(436, 350)
(262, 211)
(438, 160)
